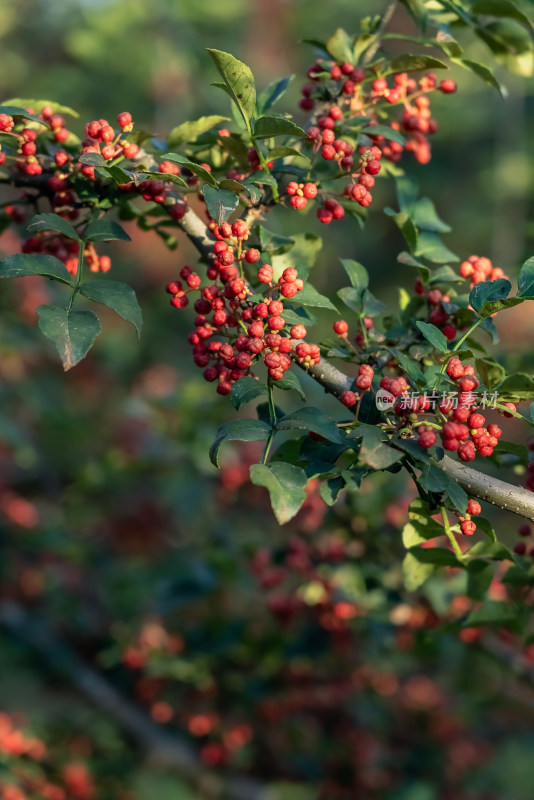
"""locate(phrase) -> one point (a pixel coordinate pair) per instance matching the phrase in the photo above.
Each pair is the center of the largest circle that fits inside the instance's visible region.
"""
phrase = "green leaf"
(241, 430)
(115, 295)
(433, 335)
(415, 572)
(273, 242)
(21, 265)
(286, 485)
(158, 176)
(53, 222)
(457, 496)
(502, 8)
(430, 246)
(488, 292)
(72, 332)
(239, 82)
(265, 127)
(358, 275)
(406, 226)
(282, 151)
(93, 159)
(196, 169)
(309, 296)
(246, 389)
(492, 612)
(418, 11)
(371, 305)
(483, 72)
(311, 419)
(373, 451)
(105, 230)
(386, 132)
(38, 106)
(525, 282)
(274, 91)
(330, 490)
(516, 388)
(424, 215)
(480, 576)
(18, 111)
(340, 45)
(290, 381)
(438, 556)
(490, 372)
(510, 44)
(413, 63)
(352, 298)
(187, 132)
(221, 203)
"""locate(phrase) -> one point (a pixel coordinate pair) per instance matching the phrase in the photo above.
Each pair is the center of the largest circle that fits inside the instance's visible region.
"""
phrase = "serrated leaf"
(290, 381)
(311, 419)
(239, 82)
(487, 292)
(105, 230)
(221, 203)
(22, 265)
(196, 169)
(286, 485)
(246, 389)
(53, 222)
(309, 296)
(118, 296)
(157, 176)
(268, 126)
(187, 132)
(241, 430)
(385, 131)
(433, 335)
(413, 63)
(93, 159)
(72, 332)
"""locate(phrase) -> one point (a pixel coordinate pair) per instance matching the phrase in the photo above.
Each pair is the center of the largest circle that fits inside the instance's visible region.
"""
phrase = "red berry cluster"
(479, 269)
(224, 310)
(300, 193)
(467, 525)
(27, 159)
(363, 382)
(438, 315)
(102, 138)
(358, 95)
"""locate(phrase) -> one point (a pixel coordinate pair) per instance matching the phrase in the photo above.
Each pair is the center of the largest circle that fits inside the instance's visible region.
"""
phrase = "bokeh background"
(115, 528)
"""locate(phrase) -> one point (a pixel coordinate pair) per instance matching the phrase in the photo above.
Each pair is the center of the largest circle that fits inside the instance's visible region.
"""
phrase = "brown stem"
(505, 495)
